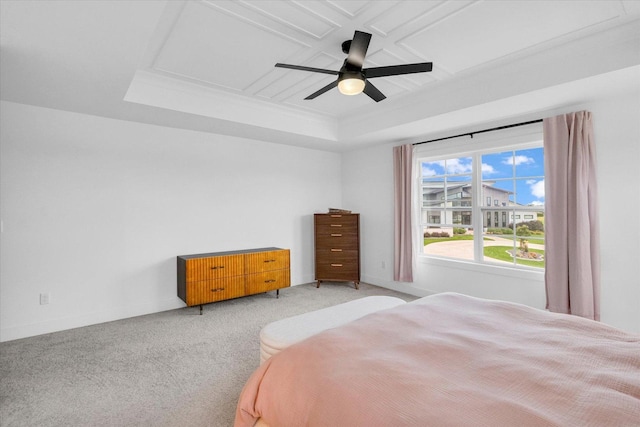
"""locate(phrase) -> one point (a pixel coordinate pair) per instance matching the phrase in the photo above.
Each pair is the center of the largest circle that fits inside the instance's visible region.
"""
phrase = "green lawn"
(428, 240)
(500, 253)
(531, 239)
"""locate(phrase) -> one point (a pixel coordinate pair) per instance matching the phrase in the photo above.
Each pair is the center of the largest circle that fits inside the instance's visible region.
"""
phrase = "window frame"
(510, 140)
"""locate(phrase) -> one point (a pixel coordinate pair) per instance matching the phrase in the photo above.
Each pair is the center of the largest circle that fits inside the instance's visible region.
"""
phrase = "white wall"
(94, 211)
(368, 189)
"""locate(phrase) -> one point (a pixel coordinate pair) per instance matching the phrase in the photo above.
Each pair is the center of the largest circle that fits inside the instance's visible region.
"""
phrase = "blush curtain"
(403, 246)
(572, 271)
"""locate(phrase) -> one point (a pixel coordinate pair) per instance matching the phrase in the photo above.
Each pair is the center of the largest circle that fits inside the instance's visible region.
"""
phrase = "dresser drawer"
(337, 270)
(199, 269)
(266, 261)
(267, 281)
(337, 241)
(207, 291)
(343, 232)
(336, 220)
(338, 255)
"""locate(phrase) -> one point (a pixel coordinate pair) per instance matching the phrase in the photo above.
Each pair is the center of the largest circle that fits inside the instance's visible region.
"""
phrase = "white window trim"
(517, 138)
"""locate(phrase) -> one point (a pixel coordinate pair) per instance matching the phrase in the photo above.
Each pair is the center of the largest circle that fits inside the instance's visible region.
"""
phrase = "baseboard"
(407, 288)
(118, 313)
(64, 323)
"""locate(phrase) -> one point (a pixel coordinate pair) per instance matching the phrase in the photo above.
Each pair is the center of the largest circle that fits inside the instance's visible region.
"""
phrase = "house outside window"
(480, 233)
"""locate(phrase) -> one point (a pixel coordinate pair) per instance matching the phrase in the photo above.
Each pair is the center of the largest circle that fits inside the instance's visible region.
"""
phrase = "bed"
(451, 360)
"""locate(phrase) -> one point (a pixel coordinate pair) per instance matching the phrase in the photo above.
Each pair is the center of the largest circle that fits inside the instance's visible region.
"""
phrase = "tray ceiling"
(215, 58)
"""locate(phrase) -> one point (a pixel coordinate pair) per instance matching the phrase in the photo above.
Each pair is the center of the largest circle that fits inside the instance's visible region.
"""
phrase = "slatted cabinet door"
(214, 267)
(214, 278)
(267, 271)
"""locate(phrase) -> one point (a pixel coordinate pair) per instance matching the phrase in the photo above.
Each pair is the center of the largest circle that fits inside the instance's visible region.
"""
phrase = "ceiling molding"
(209, 64)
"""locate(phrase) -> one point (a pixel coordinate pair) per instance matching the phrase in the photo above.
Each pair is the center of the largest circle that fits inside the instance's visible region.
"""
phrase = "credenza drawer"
(267, 281)
(207, 291)
(266, 261)
(199, 269)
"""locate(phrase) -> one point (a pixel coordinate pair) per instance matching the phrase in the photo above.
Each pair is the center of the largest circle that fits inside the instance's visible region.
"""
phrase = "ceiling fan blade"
(323, 90)
(373, 92)
(394, 70)
(358, 49)
(301, 68)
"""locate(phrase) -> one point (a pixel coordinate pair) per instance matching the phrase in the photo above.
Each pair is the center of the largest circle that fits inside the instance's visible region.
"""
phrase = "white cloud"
(536, 203)
(428, 171)
(456, 166)
(518, 160)
(487, 169)
(537, 189)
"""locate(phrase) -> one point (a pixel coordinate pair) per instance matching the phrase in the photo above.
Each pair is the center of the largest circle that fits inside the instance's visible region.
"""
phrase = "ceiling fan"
(352, 78)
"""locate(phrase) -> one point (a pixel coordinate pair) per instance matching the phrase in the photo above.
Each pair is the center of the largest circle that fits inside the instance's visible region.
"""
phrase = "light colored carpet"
(172, 368)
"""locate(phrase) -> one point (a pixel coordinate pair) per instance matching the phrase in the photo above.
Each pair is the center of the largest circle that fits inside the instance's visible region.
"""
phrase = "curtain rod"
(479, 131)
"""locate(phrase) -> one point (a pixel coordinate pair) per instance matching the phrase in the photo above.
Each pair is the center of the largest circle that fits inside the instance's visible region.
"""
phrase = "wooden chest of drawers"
(337, 247)
(211, 277)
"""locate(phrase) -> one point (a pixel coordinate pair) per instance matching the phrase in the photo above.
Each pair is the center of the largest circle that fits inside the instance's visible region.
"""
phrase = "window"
(456, 225)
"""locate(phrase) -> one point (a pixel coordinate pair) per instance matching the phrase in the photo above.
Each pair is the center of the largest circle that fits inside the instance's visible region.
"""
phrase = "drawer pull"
(336, 235)
(217, 290)
(336, 265)
(336, 225)
(269, 260)
(269, 281)
(336, 250)
(336, 216)
(217, 267)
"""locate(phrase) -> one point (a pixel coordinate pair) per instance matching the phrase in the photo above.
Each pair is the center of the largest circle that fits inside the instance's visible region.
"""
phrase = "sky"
(521, 172)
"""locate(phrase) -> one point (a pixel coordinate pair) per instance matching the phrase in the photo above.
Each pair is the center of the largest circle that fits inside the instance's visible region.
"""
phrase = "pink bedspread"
(452, 360)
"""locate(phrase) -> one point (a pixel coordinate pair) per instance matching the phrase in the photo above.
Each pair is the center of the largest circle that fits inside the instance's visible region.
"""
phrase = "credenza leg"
(318, 284)
(200, 309)
(357, 283)
(277, 293)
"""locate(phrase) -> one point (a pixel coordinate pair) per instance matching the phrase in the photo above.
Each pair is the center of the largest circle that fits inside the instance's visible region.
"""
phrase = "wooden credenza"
(217, 276)
(337, 247)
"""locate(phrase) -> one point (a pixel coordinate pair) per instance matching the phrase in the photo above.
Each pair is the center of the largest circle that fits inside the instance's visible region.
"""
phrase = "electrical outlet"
(44, 298)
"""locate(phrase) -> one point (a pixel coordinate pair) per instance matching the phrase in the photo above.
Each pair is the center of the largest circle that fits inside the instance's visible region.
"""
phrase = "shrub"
(459, 230)
(523, 230)
(437, 234)
(535, 225)
(499, 231)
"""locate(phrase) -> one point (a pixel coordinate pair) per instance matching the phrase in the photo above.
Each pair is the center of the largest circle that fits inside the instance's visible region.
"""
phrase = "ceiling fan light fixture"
(351, 83)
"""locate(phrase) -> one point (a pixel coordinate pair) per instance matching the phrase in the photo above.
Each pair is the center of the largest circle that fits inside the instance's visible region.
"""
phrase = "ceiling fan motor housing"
(346, 45)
